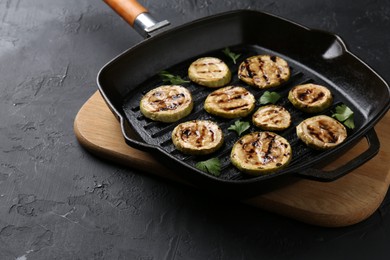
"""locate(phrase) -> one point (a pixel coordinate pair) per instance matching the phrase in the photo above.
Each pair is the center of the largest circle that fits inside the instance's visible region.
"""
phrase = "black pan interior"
(314, 56)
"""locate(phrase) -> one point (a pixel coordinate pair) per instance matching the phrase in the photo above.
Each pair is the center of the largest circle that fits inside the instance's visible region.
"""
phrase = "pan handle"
(326, 176)
(137, 16)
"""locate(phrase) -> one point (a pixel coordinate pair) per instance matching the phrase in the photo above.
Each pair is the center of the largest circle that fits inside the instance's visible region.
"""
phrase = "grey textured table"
(59, 202)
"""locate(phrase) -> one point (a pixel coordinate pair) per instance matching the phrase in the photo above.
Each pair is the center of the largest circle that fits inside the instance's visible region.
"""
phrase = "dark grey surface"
(59, 202)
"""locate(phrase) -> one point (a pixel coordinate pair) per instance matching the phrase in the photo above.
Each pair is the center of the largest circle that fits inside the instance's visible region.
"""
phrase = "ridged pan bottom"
(159, 134)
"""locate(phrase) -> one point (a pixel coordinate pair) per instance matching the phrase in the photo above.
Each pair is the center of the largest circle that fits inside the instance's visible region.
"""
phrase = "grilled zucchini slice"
(264, 71)
(209, 72)
(167, 103)
(310, 98)
(230, 102)
(272, 118)
(197, 137)
(261, 153)
(321, 132)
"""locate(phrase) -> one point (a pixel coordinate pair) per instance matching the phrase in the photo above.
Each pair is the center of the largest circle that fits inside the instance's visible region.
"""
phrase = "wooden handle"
(127, 9)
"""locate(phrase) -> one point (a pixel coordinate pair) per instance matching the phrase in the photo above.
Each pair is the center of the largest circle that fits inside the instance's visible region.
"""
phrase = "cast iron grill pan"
(159, 134)
(313, 56)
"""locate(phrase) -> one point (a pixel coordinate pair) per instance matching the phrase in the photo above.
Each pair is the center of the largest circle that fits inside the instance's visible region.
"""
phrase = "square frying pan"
(314, 56)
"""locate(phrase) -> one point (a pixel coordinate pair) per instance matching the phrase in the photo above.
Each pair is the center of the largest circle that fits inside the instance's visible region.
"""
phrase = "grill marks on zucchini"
(210, 72)
(321, 132)
(272, 118)
(310, 98)
(230, 102)
(197, 137)
(264, 71)
(261, 152)
(258, 152)
(167, 103)
(170, 103)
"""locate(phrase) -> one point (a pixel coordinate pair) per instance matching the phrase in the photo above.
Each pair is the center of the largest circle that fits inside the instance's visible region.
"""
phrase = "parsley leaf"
(269, 97)
(345, 115)
(349, 123)
(173, 79)
(232, 55)
(212, 166)
(239, 127)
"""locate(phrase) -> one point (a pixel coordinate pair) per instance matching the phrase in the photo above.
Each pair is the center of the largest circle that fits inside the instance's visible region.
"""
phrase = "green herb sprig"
(212, 166)
(239, 127)
(269, 97)
(345, 115)
(232, 55)
(173, 79)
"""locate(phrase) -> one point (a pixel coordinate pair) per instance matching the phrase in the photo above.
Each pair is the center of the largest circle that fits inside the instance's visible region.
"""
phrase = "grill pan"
(314, 57)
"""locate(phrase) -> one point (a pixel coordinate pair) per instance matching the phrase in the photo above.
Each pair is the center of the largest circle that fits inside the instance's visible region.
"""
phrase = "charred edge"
(280, 71)
(248, 68)
(261, 68)
(318, 97)
(270, 146)
(304, 96)
(162, 104)
(273, 115)
(324, 126)
(327, 133)
(235, 107)
(237, 93)
(203, 64)
(209, 71)
(200, 130)
(202, 135)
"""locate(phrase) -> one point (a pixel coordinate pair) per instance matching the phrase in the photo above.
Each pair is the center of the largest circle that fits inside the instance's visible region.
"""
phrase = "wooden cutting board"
(344, 202)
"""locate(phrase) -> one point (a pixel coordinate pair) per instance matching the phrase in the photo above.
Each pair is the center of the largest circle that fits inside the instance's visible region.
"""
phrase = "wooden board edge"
(322, 219)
